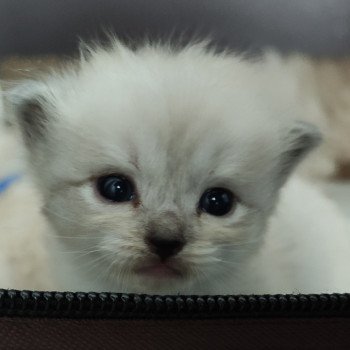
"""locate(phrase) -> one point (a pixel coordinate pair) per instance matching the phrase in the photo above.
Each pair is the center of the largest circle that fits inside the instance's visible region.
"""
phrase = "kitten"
(161, 171)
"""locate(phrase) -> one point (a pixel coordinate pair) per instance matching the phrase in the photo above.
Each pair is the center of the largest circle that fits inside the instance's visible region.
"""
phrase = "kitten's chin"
(159, 277)
(160, 271)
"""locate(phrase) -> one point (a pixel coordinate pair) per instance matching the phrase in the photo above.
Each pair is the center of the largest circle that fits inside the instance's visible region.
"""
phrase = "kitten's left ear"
(298, 141)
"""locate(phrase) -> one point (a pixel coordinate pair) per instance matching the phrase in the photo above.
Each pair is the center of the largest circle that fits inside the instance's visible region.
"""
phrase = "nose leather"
(165, 247)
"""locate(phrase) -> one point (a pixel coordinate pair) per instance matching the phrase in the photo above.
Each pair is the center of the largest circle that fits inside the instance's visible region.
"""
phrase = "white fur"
(178, 123)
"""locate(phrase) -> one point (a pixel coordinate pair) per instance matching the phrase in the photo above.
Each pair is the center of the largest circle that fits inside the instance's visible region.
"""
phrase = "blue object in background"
(7, 181)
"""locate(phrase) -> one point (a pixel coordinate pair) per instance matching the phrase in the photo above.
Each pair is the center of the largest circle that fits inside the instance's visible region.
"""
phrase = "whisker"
(46, 209)
(86, 238)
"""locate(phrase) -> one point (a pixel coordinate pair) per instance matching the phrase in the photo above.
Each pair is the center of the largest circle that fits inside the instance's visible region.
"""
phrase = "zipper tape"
(116, 305)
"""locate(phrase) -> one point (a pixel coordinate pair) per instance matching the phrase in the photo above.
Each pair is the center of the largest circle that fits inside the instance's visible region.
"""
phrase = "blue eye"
(115, 188)
(217, 201)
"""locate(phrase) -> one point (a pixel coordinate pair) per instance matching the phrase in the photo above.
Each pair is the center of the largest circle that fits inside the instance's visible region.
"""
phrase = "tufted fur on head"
(176, 122)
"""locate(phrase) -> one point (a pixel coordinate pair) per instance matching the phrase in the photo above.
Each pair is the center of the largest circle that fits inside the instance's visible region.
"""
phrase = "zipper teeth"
(116, 305)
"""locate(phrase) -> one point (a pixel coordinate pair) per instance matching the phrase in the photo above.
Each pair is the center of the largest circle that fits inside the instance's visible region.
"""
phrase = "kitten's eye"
(115, 188)
(217, 201)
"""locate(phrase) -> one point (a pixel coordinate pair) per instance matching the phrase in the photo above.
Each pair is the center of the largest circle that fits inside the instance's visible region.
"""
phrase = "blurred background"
(317, 27)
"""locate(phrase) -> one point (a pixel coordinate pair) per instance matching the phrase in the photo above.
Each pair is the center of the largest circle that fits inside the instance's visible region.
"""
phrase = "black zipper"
(116, 305)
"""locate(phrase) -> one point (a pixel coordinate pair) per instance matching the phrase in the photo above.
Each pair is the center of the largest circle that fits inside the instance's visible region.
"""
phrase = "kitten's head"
(158, 169)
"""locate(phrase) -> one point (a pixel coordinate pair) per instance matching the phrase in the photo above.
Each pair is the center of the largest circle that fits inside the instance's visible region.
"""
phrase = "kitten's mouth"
(160, 270)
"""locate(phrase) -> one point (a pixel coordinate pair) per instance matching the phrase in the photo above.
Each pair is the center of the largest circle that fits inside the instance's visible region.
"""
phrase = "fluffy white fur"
(178, 123)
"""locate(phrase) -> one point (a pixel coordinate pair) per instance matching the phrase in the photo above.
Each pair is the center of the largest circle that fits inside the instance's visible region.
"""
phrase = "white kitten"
(160, 172)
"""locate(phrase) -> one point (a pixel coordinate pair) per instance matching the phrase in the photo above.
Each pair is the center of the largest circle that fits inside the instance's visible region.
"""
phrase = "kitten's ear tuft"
(301, 138)
(32, 120)
(28, 106)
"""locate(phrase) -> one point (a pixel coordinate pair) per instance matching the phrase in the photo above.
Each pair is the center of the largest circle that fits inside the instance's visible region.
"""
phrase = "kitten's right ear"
(27, 105)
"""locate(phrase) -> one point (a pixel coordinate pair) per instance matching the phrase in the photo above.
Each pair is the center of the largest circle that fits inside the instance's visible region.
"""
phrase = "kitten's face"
(158, 172)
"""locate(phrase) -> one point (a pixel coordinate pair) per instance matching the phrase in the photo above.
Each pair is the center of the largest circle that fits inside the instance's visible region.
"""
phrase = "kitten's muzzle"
(165, 247)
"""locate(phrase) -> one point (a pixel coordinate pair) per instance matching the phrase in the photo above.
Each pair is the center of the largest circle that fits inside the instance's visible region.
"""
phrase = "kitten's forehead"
(162, 100)
(149, 134)
(155, 86)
